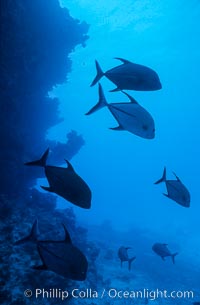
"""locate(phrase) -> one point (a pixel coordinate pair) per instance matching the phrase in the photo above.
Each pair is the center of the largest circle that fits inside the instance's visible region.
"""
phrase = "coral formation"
(36, 40)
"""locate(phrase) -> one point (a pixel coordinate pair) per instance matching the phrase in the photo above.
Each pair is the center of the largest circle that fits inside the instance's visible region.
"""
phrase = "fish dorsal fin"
(132, 100)
(117, 128)
(125, 61)
(69, 166)
(176, 177)
(67, 236)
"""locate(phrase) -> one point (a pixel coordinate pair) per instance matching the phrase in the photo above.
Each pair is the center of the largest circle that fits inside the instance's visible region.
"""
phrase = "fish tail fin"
(99, 74)
(163, 179)
(41, 161)
(173, 257)
(130, 262)
(32, 237)
(101, 103)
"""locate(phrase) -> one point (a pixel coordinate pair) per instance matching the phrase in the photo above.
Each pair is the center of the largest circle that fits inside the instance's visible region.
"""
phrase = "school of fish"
(62, 257)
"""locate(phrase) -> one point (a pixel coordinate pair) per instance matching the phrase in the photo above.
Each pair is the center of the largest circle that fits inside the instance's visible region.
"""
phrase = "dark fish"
(176, 190)
(130, 116)
(130, 76)
(60, 257)
(196, 303)
(163, 251)
(123, 256)
(65, 182)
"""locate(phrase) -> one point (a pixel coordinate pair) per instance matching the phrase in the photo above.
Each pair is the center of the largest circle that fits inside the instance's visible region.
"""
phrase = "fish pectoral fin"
(117, 128)
(47, 188)
(125, 61)
(40, 267)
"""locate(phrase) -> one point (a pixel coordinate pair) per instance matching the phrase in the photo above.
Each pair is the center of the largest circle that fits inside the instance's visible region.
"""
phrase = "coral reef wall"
(36, 39)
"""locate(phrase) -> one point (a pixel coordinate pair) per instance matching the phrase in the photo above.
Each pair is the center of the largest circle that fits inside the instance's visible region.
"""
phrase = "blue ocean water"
(120, 167)
(128, 209)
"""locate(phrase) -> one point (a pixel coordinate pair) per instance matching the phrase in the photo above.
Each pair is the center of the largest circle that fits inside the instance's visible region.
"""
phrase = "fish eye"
(144, 127)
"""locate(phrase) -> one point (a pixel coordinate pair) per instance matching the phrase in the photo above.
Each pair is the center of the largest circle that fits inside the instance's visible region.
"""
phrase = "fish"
(163, 251)
(123, 256)
(65, 182)
(130, 116)
(60, 256)
(176, 190)
(196, 303)
(129, 76)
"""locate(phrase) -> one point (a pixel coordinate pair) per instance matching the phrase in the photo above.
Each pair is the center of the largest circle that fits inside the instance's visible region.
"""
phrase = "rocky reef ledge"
(36, 39)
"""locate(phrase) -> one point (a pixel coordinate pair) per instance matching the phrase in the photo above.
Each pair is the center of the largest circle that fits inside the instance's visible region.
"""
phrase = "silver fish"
(130, 116)
(123, 256)
(176, 190)
(65, 182)
(163, 251)
(130, 76)
(61, 256)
